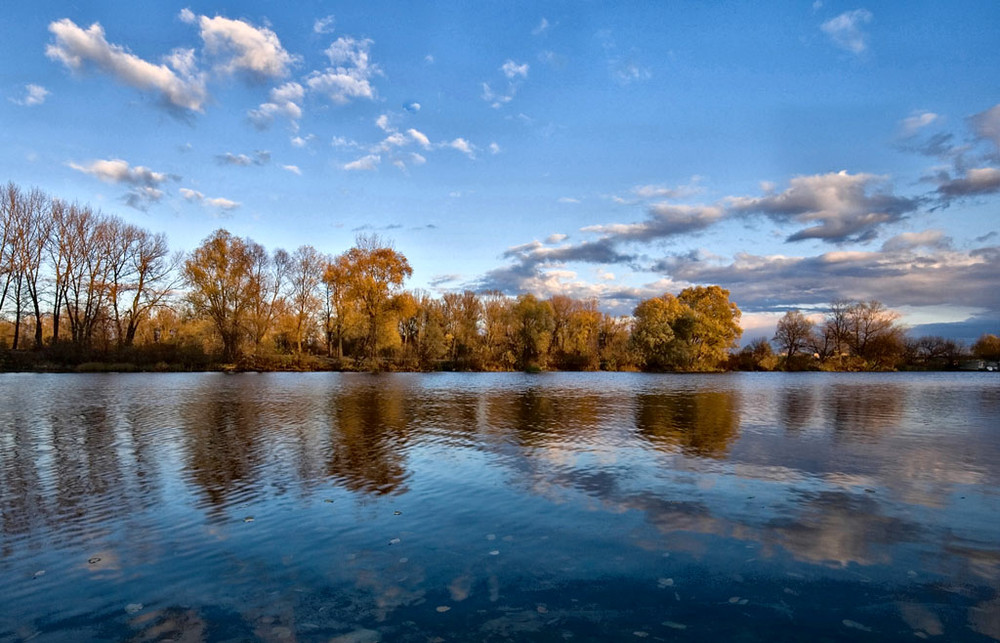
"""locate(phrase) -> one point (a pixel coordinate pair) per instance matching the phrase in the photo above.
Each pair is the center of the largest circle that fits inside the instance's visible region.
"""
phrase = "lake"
(496, 507)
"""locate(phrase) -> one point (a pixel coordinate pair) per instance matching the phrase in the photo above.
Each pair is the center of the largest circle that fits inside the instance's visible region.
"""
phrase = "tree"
(662, 327)
(794, 334)
(534, 323)
(337, 306)
(221, 277)
(873, 334)
(987, 347)
(716, 327)
(375, 271)
(305, 276)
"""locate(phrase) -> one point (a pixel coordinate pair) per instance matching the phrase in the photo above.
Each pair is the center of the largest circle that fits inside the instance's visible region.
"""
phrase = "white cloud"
(33, 95)
(845, 30)
(417, 159)
(294, 169)
(557, 237)
(463, 146)
(412, 106)
(350, 73)
(242, 47)
(119, 171)
(913, 124)
(512, 70)
(284, 101)
(567, 199)
(383, 123)
(260, 157)
(75, 48)
(218, 202)
(367, 163)
(494, 148)
(299, 141)
(542, 27)
(324, 25)
(419, 137)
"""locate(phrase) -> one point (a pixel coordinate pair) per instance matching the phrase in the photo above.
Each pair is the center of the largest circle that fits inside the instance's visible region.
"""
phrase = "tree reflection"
(862, 412)
(796, 408)
(223, 433)
(539, 417)
(368, 436)
(701, 423)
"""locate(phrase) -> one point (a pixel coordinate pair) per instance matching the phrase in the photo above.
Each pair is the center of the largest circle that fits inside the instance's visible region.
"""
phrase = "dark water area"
(497, 507)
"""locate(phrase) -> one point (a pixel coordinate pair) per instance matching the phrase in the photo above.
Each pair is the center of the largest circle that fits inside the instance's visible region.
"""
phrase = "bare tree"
(794, 333)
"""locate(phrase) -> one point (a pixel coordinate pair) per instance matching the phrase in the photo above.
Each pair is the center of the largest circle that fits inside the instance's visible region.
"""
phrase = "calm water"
(494, 507)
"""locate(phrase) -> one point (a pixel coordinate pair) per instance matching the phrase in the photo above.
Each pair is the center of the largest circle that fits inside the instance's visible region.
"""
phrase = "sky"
(794, 153)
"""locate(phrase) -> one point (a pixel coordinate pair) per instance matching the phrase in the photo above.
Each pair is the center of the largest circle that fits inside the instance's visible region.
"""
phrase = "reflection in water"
(700, 423)
(369, 436)
(499, 507)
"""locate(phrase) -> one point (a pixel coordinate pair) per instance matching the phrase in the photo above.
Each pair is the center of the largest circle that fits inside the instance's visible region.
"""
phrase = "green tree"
(663, 326)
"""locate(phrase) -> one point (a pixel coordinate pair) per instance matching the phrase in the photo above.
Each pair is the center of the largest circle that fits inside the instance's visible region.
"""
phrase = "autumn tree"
(221, 276)
(375, 273)
(663, 326)
(305, 275)
(716, 328)
(987, 347)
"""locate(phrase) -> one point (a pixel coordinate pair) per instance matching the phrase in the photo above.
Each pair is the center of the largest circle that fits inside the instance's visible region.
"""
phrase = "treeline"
(858, 336)
(80, 289)
(80, 286)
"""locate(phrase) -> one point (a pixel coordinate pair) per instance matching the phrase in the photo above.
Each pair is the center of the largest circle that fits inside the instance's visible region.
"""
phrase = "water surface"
(493, 507)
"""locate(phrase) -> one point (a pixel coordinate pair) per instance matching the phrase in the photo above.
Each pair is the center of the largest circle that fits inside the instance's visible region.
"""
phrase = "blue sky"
(793, 152)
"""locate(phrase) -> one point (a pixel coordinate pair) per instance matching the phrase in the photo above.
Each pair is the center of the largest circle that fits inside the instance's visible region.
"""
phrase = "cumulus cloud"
(419, 137)
(33, 95)
(665, 220)
(846, 31)
(844, 207)
(285, 101)
(179, 87)
(412, 106)
(494, 148)
(239, 46)
(900, 277)
(119, 171)
(144, 182)
(350, 72)
(367, 163)
(197, 197)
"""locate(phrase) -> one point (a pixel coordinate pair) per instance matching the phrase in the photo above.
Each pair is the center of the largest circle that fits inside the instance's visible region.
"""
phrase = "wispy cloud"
(845, 31)
(367, 163)
(294, 169)
(194, 196)
(260, 157)
(325, 24)
(911, 125)
(33, 95)
(542, 27)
